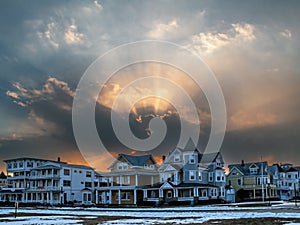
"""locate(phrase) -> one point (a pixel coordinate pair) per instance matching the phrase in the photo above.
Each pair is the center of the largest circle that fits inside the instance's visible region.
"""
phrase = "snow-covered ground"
(176, 215)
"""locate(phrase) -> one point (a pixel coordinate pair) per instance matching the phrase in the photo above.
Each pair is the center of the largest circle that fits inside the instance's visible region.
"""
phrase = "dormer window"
(148, 167)
(253, 170)
(176, 158)
(122, 166)
(192, 159)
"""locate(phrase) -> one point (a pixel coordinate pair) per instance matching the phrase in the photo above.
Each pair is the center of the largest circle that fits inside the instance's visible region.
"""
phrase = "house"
(3, 180)
(127, 174)
(287, 180)
(48, 182)
(251, 181)
(187, 175)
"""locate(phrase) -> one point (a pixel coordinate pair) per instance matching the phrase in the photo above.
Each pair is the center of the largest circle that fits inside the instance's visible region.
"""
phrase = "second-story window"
(239, 181)
(210, 176)
(66, 172)
(199, 175)
(20, 164)
(67, 183)
(192, 175)
(88, 184)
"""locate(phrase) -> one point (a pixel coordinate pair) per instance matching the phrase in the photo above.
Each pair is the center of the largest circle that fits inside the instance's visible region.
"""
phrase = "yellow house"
(251, 181)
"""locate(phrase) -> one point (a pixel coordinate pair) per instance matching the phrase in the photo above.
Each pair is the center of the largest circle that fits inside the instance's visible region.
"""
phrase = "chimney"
(58, 159)
(243, 163)
(163, 158)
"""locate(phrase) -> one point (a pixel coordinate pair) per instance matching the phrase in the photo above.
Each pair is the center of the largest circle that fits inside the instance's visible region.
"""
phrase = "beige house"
(127, 174)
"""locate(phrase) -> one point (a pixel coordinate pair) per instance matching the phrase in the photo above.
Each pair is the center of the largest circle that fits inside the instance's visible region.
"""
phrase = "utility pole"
(295, 195)
(262, 181)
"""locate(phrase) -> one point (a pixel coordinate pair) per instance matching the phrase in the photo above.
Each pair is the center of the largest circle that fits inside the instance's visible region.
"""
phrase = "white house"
(48, 182)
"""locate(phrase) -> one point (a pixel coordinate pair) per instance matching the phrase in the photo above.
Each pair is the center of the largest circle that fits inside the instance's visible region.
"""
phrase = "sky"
(252, 47)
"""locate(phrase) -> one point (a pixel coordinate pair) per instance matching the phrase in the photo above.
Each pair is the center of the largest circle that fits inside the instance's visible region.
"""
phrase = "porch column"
(145, 193)
(120, 181)
(136, 180)
(152, 180)
(97, 197)
(161, 193)
(254, 193)
(51, 198)
(110, 197)
(119, 197)
(175, 192)
(196, 192)
(134, 197)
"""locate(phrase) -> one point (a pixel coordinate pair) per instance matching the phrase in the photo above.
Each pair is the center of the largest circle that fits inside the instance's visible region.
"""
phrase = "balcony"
(46, 176)
(44, 188)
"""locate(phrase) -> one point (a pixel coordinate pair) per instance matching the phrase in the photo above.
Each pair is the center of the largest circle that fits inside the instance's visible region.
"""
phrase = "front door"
(168, 194)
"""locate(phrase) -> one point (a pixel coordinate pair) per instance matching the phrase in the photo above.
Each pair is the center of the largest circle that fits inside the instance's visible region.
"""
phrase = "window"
(199, 175)
(176, 158)
(75, 171)
(66, 172)
(87, 197)
(289, 176)
(88, 174)
(148, 167)
(192, 159)
(122, 166)
(67, 183)
(239, 182)
(125, 195)
(88, 184)
(218, 178)
(253, 171)
(21, 164)
(15, 165)
(126, 180)
(9, 166)
(210, 176)
(80, 171)
(192, 175)
(29, 164)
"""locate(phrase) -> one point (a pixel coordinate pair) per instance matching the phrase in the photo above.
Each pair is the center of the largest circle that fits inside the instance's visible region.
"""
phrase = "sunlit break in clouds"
(252, 49)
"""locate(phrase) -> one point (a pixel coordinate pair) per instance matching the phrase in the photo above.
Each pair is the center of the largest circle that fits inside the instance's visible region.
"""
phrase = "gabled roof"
(190, 146)
(297, 168)
(208, 157)
(169, 167)
(245, 167)
(134, 160)
(2, 176)
(274, 168)
(48, 165)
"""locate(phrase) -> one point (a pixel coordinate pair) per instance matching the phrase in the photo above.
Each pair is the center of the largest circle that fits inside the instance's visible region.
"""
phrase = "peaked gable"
(48, 165)
(134, 160)
(167, 185)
